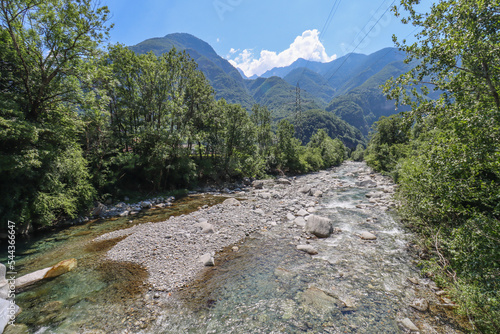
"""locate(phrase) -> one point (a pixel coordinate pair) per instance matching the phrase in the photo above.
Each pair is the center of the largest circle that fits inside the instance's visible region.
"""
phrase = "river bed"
(261, 283)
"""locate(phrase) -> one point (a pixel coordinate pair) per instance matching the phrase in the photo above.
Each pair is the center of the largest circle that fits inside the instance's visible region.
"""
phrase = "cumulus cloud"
(307, 46)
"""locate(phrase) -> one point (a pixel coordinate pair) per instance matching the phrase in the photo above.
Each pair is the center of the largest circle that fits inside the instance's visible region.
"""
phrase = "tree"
(450, 180)
(43, 176)
(261, 118)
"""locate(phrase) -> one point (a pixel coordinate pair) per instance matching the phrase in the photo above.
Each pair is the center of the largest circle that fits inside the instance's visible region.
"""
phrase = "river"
(266, 286)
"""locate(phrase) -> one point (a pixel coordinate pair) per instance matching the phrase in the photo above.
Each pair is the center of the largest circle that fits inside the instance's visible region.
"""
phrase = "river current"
(267, 286)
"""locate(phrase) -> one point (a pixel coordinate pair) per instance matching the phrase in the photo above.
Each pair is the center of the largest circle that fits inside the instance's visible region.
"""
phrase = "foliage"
(43, 174)
(359, 153)
(448, 163)
(388, 144)
(313, 120)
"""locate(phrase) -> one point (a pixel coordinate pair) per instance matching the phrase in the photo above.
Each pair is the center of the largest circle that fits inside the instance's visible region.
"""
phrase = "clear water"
(351, 286)
(97, 290)
(267, 286)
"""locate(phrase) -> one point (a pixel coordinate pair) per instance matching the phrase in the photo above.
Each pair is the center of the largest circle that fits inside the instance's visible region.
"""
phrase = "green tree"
(43, 175)
(450, 181)
(287, 148)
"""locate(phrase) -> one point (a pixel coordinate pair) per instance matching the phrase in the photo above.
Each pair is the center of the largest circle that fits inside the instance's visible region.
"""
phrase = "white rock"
(299, 221)
(302, 213)
(207, 260)
(265, 195)
(410, 325)
(232, 202)
(289, 216)
(420, 304)
(308, 249)
(7, 309)
(367, 236)
(319, 226)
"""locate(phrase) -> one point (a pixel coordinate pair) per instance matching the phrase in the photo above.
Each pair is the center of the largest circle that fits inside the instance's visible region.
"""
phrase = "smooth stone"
(305, 189)
(232, 202)
(54, 271)
(319, 226)
(61, 268)
(410, 325)
(367, 236)
(258, 184)
(5, 311)
(205, 227)
(308, 249)
(284, 181)
(207, 259)
(318, 193)
(265, 195)
(420, 304)
(146, 204)
(302, 213)
(299, 221)
(124, 213)
(413, 280)
(289, 216)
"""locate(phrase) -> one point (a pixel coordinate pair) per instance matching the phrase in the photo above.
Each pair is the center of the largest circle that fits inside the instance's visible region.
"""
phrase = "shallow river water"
(267, 286)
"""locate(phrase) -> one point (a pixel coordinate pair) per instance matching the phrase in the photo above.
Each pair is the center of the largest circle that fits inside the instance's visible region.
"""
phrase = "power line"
(328, 21)
(366, 35)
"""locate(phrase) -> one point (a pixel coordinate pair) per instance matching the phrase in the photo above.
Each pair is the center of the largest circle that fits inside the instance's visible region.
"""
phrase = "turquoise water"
(266, 286)
(351, 286)
(97, 290)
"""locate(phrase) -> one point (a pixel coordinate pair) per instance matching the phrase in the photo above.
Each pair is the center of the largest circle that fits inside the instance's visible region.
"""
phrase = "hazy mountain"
(348, 86)
(312, 83)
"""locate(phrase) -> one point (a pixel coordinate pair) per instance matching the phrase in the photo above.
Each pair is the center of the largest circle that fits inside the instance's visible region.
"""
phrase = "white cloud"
(307, 46)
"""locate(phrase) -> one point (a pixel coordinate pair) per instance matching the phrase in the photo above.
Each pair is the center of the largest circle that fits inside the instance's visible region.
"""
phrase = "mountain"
(311, 82)
(224, 78)
(347, 87)
(279, 96)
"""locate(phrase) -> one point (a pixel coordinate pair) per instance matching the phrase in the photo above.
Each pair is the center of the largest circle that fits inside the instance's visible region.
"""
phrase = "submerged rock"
(420, 304)
(308, 249)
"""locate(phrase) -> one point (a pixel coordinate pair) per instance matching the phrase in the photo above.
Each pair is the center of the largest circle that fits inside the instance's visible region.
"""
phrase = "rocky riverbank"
(175, 251)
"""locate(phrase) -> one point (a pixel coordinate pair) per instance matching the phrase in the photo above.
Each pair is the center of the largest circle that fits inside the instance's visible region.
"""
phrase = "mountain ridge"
(347, 86)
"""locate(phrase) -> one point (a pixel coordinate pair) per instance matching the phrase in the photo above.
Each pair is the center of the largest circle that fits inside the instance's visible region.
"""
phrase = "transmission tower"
(298, 112)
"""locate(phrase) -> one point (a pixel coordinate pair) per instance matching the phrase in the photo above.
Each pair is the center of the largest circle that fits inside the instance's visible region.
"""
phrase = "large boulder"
(319, 226)
(366, 184)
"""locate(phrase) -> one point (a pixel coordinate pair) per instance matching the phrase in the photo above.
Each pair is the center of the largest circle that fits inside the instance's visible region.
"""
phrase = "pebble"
(180, 249)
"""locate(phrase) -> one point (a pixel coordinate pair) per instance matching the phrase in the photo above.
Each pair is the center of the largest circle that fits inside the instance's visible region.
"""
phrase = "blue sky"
(256, 35)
